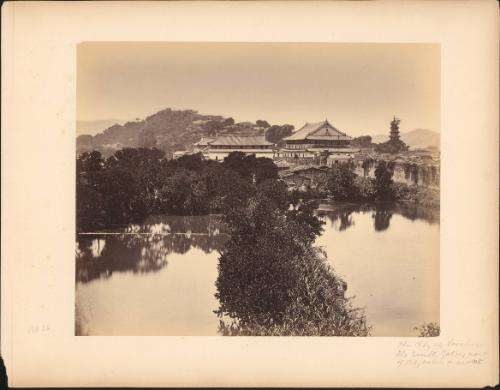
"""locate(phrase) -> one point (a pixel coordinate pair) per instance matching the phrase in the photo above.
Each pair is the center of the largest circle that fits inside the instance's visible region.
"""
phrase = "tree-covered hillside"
(170, 130)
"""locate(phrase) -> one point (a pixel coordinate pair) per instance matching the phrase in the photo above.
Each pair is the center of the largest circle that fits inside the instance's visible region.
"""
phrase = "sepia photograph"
(317, 179)
(257, 189)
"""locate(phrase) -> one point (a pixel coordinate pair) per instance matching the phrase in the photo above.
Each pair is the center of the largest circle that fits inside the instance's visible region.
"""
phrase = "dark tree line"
(213, 126)
(344, 184)
(275, 133)
(134, 183)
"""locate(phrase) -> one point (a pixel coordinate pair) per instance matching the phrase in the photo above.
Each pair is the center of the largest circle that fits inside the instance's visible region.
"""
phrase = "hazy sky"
(358, 87)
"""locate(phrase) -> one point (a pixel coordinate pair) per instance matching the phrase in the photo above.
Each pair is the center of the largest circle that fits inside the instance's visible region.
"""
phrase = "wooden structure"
(317, 140)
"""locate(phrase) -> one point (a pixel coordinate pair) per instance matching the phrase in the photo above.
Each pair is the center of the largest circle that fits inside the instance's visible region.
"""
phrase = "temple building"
(222, 145)
(202, 146)
(314, 140)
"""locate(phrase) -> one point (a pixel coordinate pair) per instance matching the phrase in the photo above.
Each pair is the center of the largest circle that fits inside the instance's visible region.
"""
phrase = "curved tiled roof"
(248, 140)
(204, 141)
(314, 131)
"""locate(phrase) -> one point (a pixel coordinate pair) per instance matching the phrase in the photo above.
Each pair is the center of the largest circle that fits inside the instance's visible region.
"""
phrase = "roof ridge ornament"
(327, 132)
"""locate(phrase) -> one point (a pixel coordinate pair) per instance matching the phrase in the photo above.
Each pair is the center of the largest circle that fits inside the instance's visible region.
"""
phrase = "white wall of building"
(219, 155)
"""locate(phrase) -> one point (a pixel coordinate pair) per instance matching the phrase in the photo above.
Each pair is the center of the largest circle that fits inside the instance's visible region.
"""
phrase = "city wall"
(314, 174)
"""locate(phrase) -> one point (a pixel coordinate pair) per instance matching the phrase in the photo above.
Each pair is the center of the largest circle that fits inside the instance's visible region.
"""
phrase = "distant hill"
(168, 130)
(418, 138)
(94, 127)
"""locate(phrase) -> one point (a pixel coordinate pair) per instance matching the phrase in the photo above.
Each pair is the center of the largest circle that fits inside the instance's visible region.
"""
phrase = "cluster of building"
(312, 142)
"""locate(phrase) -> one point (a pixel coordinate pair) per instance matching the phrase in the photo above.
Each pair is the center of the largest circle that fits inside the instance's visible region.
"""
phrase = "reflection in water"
(343, 216)
(159, 224)
(340, 215)
(97, 247)
(415, 212)
(144, 248)
(389, 256)
(382, 218)
(387, 253)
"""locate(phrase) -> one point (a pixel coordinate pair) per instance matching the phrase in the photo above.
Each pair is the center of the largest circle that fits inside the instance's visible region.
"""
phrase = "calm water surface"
(158, 278)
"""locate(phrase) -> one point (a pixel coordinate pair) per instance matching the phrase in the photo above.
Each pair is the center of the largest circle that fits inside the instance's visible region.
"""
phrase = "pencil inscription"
(438, 352)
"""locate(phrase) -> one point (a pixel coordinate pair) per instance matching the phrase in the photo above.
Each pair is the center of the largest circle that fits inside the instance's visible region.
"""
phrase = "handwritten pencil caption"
(438, 353)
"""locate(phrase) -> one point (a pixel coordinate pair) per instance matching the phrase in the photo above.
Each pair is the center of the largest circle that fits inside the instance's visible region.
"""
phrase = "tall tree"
(89, 201)
(262, 123)
(228, 122)
(383, 180)
(276, 133)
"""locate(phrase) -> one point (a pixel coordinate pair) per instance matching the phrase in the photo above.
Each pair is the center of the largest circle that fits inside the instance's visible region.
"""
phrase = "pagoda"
(395, 144)
(394, 134)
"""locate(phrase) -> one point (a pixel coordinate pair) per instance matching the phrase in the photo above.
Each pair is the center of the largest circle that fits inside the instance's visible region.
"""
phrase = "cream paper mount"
(38, 345)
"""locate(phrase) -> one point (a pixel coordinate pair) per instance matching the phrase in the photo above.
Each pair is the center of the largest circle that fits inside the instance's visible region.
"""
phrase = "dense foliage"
(134, 183)
(165, 130)
(212, 127)
(392, 147)
(275, 133)
(341, 181)
(424, 196)
(364, 141)
(383, 179)
(262, 123)
(273, 281)
(344, 184)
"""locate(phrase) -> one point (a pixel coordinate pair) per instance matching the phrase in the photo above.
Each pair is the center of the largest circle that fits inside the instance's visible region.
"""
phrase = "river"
(157, 278)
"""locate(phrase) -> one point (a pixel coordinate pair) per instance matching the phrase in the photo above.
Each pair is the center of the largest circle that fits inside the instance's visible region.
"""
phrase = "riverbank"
(342, 183)
(423, 196)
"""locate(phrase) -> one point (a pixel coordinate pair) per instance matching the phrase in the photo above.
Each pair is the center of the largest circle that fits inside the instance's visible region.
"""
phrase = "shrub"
(383, 180)
(430, 329)
(272, 281)
(365, 188)
(340, 181)
(424, 196)
(402, 191)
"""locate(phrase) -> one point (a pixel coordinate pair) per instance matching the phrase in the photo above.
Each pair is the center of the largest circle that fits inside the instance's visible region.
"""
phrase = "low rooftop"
(318, 131)
(240, 140)
(204, 141)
